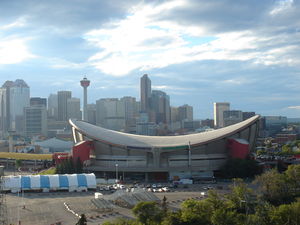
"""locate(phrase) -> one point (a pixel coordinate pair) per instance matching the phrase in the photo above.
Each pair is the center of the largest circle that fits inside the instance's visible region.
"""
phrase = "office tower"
(85, 83)
(131, 113)
(231, 117)
(73, 108)
(145, 86)
(274, 124)
(19, 99)
(160, 105)
(37, 101)
(35, 118)
(219, 108)
(91, 113)
(110, 113)
(5, 107)
(185, 112)
(174, 114)
(62, 99)
(247, 115)
(53, 106)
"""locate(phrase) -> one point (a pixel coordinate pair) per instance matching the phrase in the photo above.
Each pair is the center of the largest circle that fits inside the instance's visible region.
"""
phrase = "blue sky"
(198, 51)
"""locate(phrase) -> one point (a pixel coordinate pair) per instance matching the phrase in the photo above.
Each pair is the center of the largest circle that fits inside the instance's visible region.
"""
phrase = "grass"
(25, 156)
(49, 171)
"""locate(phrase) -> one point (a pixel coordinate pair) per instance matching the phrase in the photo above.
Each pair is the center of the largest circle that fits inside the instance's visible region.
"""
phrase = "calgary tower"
(85, 83)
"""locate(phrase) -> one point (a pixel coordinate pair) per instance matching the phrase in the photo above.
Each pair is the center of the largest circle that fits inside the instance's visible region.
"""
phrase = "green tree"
(148, 213)
(196, 212)
(274, 187)
(225, 217)
(293, 178)
(18, 163)
(287, 214)
(240, 198)
(78, 166)
(240, 168)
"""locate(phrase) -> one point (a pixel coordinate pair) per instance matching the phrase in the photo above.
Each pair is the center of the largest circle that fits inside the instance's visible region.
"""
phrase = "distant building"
(160, 105)
(131, 110)
(285, 138)
(14, 97)
(274, 124)
(185, 112)
(247, 115)
(190, 125)
(37, 101)
(73, 108)
(62, 98)
(91, 113)
(231, 117)
(144, 127)
(55, 145)
(53, 106)
(174, 114)
(219, 108)
(207, 123)
(110, 113)
(145, 92)
(35, 120)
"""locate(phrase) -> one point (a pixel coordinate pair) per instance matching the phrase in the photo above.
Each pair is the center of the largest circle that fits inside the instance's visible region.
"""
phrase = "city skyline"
(246, 54)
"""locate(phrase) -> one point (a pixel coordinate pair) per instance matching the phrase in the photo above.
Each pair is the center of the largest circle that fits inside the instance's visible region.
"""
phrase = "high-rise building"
(231, 117)
(110, 113)
(219, 108)
(174, 114)
(37, 101)
(145, 86)
(5, 107)
(185, 112)
(53, 106)
(62, 99)
(91, 113)
(160, 104)
(35, 118)
(85, 83)
(73, 108)
(14, 97)
(247, 115)
(131, 113)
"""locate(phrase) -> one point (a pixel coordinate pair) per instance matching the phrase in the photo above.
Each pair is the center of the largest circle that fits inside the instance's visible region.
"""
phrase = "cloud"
(14, 50)
(297, 107)
(148, 39)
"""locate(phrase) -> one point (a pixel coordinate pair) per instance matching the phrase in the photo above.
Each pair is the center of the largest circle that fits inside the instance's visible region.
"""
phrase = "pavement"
(35, 208)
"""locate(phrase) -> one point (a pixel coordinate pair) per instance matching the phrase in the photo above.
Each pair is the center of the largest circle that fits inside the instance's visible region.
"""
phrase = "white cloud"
(141, 42)
(281, 6)
(20, 22)
(294, 107)
(14, 50)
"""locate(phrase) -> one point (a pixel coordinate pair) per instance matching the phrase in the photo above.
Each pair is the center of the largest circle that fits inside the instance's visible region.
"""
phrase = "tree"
(196, 212)
(240, 197)
(78, 166)
(18, 163)
(148, 213)
(293, 177)
(82, 220)
(240, 168)
(286, 214)
(274, 187)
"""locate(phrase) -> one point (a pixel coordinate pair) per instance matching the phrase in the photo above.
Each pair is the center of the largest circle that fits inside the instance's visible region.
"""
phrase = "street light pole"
(116, 172)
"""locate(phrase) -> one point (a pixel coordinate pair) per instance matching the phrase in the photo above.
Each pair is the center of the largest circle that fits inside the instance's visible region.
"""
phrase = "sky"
(197, 51)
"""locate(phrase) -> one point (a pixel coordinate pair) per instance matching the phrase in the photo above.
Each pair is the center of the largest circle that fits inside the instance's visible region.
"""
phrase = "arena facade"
(112, 154)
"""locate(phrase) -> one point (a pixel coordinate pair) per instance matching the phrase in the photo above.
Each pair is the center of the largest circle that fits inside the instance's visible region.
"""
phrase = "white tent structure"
(45, 183)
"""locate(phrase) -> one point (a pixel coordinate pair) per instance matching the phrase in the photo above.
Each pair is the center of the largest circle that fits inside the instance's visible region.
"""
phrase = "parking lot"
(62, 207)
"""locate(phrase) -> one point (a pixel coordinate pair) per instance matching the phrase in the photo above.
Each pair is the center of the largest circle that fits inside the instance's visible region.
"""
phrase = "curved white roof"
(142, 141)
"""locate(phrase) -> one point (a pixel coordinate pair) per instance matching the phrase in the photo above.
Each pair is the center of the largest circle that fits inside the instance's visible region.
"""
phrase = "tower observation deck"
(85, 83)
